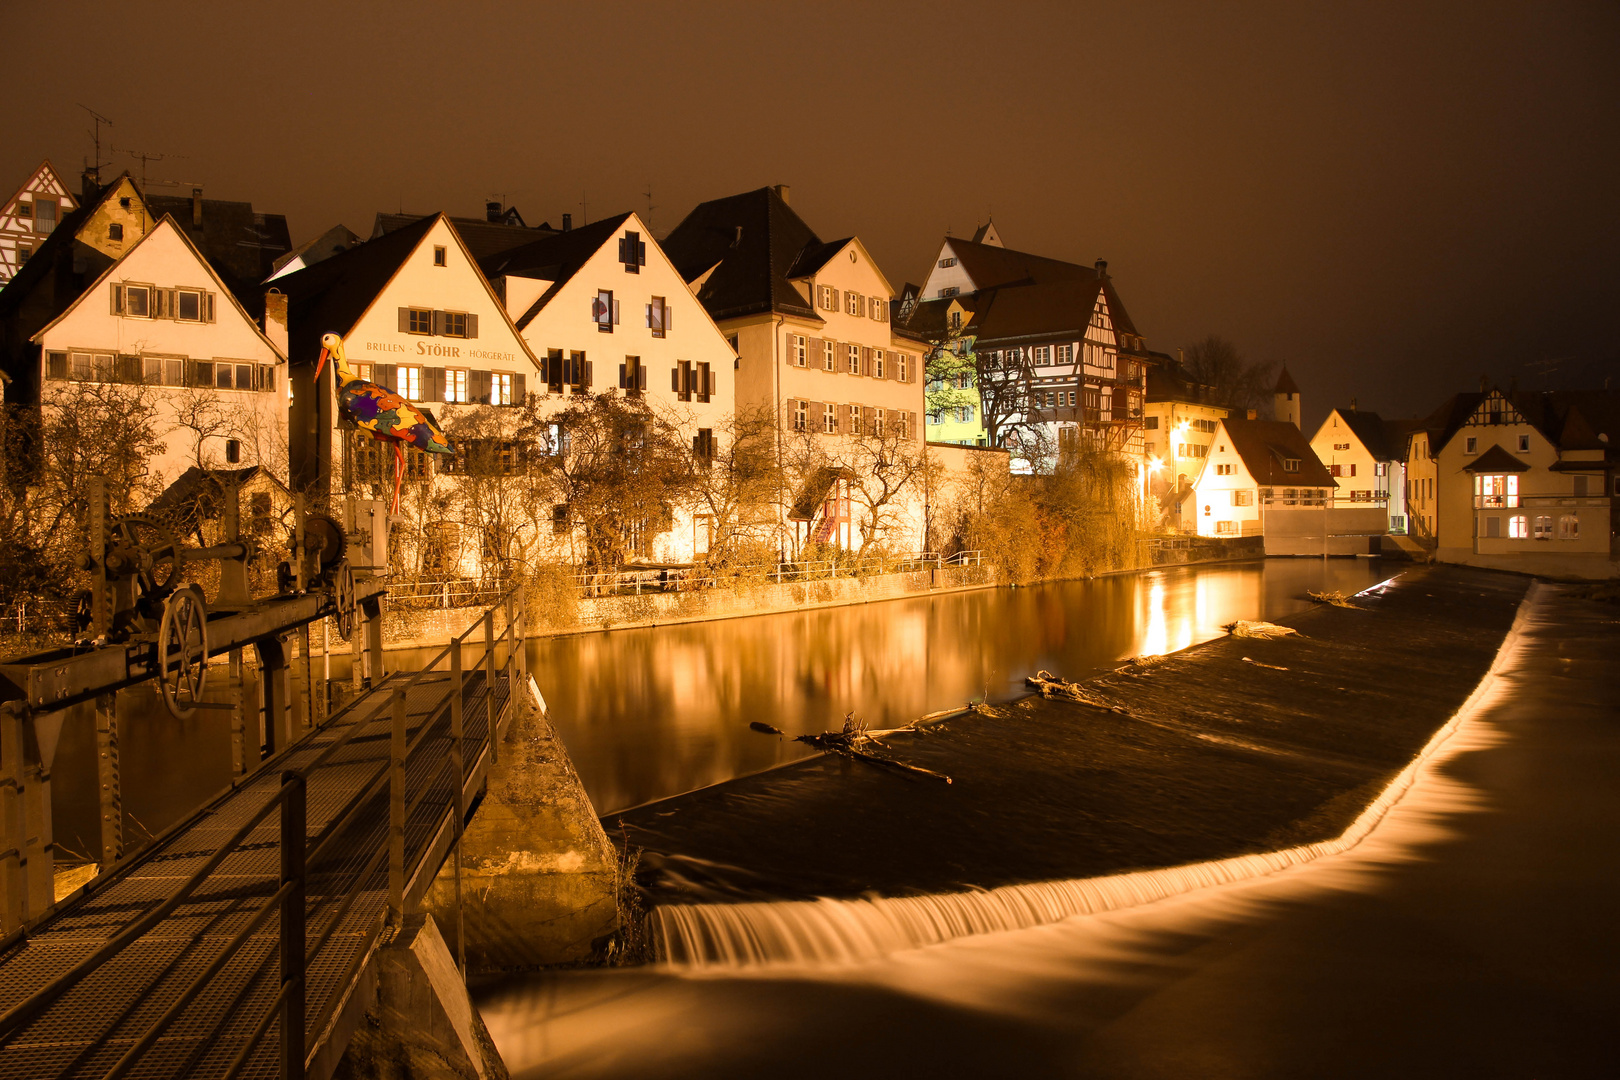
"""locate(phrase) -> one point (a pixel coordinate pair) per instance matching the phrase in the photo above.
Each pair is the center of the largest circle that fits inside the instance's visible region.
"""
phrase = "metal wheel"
(343, 597)
(147, 550)
(182, 652)
(326, 542)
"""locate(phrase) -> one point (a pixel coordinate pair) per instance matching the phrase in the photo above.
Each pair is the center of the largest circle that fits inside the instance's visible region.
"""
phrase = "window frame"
(419, 321)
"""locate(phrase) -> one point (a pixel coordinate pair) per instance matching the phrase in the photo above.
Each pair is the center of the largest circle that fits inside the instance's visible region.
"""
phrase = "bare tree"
(735, 483)
(1234, 382)
(885, 469)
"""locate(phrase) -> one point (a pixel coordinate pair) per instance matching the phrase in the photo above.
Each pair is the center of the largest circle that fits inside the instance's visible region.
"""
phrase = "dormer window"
(1290, 464)
(632, 252)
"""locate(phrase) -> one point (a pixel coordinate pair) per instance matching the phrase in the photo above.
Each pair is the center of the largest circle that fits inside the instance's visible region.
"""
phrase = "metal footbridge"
(243, 942)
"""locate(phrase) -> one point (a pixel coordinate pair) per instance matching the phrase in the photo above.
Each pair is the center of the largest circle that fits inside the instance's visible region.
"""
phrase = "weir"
(833, 930)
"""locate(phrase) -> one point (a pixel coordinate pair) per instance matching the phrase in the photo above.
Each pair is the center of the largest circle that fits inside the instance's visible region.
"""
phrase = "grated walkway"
(85, 1032)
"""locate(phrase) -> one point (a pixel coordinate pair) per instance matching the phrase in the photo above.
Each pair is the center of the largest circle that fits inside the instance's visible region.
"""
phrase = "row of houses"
(742, 309)
(1506, 479)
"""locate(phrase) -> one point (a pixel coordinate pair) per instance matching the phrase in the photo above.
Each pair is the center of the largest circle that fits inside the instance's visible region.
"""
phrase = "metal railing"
(444, 592)
(298, 855)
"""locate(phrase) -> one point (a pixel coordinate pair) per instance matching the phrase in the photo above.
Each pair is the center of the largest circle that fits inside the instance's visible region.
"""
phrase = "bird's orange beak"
(321, 364)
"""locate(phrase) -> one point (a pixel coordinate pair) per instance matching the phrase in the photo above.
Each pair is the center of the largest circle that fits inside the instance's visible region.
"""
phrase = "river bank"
(1229, 748)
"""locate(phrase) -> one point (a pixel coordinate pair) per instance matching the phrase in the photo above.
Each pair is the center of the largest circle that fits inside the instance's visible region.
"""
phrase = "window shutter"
(433, 384)
(472, 325)
(709, 379)
(586, 382)
(404, 320)
(615, 313)
(519, 388)
(484, 381)
(675, 379)
(621, 250)
(649, 314)
(641, 252)
(669, 318)
(641, 376)
(208, 307)
(117, 300)
(866, 361)
(812, 352)
(384, 374)
(622, 372)
(816, 421)
(438, 323)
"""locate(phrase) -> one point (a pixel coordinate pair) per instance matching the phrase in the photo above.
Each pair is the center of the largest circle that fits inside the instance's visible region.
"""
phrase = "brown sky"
(1393, 198)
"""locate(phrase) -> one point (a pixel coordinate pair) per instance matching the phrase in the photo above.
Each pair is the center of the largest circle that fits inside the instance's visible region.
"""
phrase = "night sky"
(1392, 198)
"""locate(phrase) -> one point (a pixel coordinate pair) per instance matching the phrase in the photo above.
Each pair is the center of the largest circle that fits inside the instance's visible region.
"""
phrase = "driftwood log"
(1053, 686)
(1257, 629)
(857, 741)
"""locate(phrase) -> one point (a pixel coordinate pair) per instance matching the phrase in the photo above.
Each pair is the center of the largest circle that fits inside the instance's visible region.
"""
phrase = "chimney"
(492, 211)
(275, 319)
(1102, 267)
(89, 183)
(568, 222)
(1484, 384)
(196, 207)
(782, 192)
(1352, 404)
(1254, 414)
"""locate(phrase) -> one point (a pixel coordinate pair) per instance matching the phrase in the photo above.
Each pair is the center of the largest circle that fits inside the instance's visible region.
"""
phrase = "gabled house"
(1423, 488)
(1057, 356)
(1529, 481)
(240, 243)
(30, 215)
(501, 229)
(416, 315)
(810, 323)
(162, 318)
(1262, 478)
(1367, 455)
(602, 307)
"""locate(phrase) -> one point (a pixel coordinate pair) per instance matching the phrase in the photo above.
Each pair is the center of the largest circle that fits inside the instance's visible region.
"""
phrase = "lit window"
(1544, 528)
(901, 366)
(1518, 527)
(1569, 527)
(455, 384)
(409, 377)
(1496, 491)
(500, 388)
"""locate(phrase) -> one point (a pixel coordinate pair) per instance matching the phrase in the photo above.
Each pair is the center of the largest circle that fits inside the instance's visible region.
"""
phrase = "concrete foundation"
(539, 878)
(423, 1026)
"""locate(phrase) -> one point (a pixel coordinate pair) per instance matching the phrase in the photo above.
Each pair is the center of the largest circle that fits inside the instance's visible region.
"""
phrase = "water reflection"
(651, 713)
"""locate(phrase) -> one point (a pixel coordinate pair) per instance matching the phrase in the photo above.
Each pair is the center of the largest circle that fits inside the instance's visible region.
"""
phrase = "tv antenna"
(584, 218)
(143, 157)
(97, 119)
(650, 207)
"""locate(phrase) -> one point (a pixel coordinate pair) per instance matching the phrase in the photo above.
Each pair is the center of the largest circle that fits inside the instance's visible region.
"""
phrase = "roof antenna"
(143, 157)
(98, 120)
(584, 217)
(650, 206)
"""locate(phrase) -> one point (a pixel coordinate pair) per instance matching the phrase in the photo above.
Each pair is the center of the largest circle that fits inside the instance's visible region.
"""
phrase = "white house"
(1367, 455)
(810, 323)
(161, 317)
(1261, 478)
(30, 215)
(602, 307)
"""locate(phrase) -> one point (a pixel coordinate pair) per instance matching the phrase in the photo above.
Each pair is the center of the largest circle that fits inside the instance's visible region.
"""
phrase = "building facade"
(30, 216)
(602, 307)
(1261, 478)
(162, 319)
(1178, 428)
(819, 354)
(1367, 455)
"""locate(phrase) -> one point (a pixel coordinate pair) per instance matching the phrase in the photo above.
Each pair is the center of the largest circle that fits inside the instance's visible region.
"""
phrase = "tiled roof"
(753, 242)
(1286, 383)
(333, 241)
(330, 296)
(990, 266)
(1046, 309)
(483, 238)
(1446, 419)
(1264, 444)
(1373, 432)
(1496, 460)
(556, 258)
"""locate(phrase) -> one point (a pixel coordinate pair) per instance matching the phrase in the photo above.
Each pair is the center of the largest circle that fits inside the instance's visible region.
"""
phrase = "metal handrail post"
(457, 732)
(489, 684)
(511, 655)
(396, 815)
(523, 629)
(294, 836)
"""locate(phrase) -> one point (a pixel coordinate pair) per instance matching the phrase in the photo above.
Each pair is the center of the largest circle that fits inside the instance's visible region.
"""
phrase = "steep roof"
(1497, 460)
(556, 258)
(332, 295)
(991, 265)
(1168, 380)
(1046, 309)
(333, 241)
(483, 238)
(1446, 419)
(242, 246)
(1286, 383)
(1264, 444)
(753, 242)
(1373, 431)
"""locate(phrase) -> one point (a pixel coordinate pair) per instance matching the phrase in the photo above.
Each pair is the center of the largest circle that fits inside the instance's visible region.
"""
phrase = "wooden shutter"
(404, 320)
(866, 365)
(485, 381)
(813, 355)
(675, 378)
(622, 372)
(472, 325)
(641, 376)
(438, 323)
(669, 318)
(386, 374)
(586, 382)
(816, 422)
(433, 384)
(519, 387)
(615, 313)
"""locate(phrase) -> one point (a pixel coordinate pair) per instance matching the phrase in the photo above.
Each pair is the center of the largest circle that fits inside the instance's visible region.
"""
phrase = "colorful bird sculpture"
(377, 409)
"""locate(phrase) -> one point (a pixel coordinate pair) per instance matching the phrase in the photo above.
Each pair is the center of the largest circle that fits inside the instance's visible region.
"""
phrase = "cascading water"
(830, 931)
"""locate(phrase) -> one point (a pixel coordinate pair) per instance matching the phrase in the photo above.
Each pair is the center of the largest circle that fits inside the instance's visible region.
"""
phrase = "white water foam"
(823, 932)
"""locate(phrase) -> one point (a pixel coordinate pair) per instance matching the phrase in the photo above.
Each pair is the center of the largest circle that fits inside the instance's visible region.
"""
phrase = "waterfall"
(845, 931)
